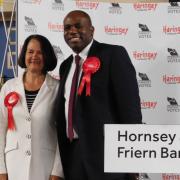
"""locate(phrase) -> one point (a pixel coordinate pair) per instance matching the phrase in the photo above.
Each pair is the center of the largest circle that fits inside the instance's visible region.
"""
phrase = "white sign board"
(142, 148)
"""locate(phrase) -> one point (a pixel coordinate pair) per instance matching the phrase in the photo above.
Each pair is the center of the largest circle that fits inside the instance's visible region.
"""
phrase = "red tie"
(72, 98)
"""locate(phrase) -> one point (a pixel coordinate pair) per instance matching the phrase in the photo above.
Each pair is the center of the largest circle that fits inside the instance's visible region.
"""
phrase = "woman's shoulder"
(8, 86)
(51, 80)
(10, 82)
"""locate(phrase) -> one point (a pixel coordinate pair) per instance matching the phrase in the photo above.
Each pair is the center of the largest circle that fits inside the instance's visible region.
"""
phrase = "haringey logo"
(30, 25)
(143, 77)
(32, 1)
(171, 30)
(58, 1)
(143, 27)
(144, 80)
(145, 6)
(173, 56)
(58, 52)
(60, 57)
(116, 5)
(58, 5)
(173, 8)
(55, 27)
(143, 176)
(115, 8)
(29, 21)
(145, 32)
(81, 4)
(173, 105)
(174, 4)
(170, 176)
(144, 55)
(172, 79)
(172, 52)
(148, 104)
(115, 30)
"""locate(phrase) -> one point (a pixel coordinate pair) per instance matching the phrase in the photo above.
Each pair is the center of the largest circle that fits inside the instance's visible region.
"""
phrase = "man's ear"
(92, 30)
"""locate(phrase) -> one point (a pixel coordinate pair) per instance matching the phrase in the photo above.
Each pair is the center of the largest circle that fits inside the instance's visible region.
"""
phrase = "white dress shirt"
(83, 54)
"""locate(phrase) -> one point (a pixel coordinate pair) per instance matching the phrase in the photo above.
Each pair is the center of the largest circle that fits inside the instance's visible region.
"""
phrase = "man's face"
(78, 31)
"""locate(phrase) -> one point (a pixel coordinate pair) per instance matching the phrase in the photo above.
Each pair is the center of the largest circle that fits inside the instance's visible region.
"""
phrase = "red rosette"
(10, 101)
(90, 66)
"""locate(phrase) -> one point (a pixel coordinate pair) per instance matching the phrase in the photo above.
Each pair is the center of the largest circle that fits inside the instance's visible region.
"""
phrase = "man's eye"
(67, 27)
(78, 26)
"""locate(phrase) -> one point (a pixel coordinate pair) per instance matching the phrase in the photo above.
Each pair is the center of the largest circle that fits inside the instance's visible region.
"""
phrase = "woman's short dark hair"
(49, 56)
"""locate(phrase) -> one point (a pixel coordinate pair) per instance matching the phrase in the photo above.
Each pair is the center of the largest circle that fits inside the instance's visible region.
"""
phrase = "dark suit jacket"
(114, 99)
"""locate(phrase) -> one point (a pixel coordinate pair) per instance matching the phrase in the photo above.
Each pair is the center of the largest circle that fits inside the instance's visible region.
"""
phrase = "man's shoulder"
(65, 64)
(67, 60)
(108, 46)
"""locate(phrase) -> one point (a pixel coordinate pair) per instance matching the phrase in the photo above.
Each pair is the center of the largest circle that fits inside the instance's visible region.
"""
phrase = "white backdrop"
(149, 31)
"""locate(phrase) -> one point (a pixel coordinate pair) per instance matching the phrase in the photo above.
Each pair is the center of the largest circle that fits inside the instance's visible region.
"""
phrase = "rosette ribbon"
(89, 67)
(10, 101)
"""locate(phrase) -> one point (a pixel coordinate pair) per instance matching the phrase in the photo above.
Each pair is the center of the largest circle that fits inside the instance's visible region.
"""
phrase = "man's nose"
(73, 29)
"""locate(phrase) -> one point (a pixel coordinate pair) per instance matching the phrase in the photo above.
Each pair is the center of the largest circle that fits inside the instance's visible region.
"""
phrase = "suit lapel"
(94, 49)
(65, 70)
(45, 88)
(60, 100)
(19, 88)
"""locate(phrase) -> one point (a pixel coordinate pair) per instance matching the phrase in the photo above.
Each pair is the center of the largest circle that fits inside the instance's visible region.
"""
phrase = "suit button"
(28, 119)
(28, 153)
(28, 136)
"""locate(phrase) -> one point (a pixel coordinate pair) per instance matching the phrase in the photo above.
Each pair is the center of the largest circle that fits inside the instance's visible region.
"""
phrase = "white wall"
(155, 53)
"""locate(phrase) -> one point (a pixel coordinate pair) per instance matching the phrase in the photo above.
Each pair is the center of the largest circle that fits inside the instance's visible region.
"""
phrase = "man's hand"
(3, 177)
(53, 178)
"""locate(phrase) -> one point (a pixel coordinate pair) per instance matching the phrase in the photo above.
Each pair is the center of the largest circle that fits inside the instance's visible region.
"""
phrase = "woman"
(28, 142)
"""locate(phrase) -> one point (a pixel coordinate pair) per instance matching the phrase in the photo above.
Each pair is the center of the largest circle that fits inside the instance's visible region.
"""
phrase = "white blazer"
(30, 152)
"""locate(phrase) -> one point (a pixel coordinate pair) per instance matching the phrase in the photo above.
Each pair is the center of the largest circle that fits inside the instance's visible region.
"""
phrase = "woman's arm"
(3, 130)
(53, 178)
(5, 177)
(57, 171)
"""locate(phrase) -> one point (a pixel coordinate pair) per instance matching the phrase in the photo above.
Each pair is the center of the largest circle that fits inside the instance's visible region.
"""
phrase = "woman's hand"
(53, 178)
(3, 177)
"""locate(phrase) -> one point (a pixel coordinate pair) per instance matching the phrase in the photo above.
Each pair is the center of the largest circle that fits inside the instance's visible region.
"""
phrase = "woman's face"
(34, 58)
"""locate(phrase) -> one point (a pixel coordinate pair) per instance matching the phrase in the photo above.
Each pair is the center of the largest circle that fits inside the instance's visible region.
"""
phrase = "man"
(110, 96)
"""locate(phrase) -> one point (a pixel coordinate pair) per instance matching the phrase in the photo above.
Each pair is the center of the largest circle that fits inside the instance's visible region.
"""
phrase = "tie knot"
(77, 59)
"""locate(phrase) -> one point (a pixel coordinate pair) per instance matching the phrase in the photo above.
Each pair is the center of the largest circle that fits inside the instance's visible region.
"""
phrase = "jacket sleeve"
(57, 168)
(125, 87)
(3, 130)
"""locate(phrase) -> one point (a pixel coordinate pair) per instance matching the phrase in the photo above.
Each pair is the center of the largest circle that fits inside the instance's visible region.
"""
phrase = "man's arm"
(125, 88)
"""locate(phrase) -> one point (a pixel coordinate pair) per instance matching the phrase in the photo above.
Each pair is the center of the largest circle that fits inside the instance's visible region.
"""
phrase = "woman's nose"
(35, 54)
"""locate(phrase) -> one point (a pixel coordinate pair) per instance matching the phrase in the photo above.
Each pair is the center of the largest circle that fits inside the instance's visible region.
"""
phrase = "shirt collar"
(84, 53)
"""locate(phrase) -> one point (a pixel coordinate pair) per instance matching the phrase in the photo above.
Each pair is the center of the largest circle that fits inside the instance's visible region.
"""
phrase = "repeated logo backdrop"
(149, 31)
